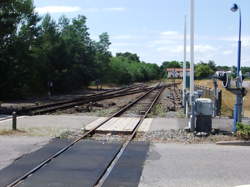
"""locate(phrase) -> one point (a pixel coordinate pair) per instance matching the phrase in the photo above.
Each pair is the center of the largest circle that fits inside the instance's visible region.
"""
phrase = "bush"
(243, 131)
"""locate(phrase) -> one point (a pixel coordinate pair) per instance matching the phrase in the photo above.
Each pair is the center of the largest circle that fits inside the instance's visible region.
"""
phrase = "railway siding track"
(105, 174)
(49, 108)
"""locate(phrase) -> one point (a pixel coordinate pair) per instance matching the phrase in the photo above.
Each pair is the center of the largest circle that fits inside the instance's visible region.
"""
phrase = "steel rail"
(94, 99)
(27, 174)
(82, 98)
(119, 153)
(70, 105)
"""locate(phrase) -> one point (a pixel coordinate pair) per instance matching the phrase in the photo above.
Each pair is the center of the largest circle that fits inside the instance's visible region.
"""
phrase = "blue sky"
(154, 29)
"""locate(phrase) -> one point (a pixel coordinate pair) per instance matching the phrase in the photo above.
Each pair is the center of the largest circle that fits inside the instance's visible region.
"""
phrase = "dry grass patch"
(12, 132)
(228, 99)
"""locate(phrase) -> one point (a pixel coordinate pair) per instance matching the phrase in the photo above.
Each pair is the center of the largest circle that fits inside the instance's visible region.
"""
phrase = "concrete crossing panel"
(120, 124)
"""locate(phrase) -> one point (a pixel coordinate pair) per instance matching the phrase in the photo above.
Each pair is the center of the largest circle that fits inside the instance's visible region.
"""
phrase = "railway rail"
(153, 94)
(174, 99)
(61, 105)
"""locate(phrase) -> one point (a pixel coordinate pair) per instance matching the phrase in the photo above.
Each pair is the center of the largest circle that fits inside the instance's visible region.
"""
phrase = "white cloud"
(204, 48)
(246, 43)
(123, 44)
(166, 38)
(171, 49)
(164, 42)
(67, 9)
(115, 9)
(179, 48)
(245, 40)
(57, 9)
(112, 9)
(227, 52)
(169, 33)
(122, 37)
(90, 10)
(245, 61)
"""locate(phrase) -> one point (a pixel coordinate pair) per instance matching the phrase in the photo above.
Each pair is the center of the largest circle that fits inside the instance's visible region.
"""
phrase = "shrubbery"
(243, 131)
(124, 70)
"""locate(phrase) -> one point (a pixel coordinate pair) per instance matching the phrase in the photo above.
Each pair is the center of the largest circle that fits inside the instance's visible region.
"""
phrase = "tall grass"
(228, 99)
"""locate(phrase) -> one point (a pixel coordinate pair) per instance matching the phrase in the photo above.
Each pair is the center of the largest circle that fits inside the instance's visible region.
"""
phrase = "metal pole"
(216, 112)
(184, 74)
(192, 49)
(192, 63)
(14, 121)
(239, 47)
(238, 104)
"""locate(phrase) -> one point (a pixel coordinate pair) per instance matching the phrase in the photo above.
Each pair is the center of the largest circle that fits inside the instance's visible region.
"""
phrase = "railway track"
(62, 105)
(151, 96)
(174, 99)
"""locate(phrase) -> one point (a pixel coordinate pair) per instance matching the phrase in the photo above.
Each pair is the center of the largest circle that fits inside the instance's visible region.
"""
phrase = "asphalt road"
(81, 165)
(181, 165)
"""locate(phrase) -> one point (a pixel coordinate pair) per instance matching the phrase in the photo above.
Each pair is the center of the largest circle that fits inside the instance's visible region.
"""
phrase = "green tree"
(18, 24)
(203, 70)
(212, 65)
(171, 64)
(130, 56)
(103, 56)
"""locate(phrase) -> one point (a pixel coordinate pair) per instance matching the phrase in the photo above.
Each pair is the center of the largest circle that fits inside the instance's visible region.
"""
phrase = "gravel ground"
(162, 136)
(102, 108)
(165, 106)
(107, 107)
(181, 136)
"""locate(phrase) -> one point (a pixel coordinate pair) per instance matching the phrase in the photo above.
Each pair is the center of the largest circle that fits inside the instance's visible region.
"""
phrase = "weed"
(243, 131)
(158, 110)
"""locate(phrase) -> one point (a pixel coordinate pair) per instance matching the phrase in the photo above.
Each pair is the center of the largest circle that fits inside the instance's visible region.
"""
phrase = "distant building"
(176, 72)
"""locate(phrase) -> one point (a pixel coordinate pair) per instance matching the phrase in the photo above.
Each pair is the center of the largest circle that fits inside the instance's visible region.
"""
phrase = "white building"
(176, 72)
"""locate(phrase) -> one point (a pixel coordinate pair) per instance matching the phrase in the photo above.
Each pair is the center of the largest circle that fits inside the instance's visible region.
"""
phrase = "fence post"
(219, 102)
(14, 121)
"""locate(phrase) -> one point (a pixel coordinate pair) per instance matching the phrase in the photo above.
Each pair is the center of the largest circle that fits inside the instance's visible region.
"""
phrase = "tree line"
(35, 51)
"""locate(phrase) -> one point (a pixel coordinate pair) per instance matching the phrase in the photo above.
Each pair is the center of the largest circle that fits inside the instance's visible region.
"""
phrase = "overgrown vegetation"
(243, 131)
(158, 110)
(35, 51)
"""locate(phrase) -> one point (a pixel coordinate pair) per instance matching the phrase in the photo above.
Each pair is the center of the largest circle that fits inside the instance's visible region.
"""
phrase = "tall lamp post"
(238, 104)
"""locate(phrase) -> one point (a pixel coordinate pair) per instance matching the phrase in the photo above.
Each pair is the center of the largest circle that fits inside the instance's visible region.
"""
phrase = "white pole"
(192, 120)
(184, 74)
(191, 49)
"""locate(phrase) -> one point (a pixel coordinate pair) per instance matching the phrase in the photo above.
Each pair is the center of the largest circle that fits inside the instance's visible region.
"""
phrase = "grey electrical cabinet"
(203, 113)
